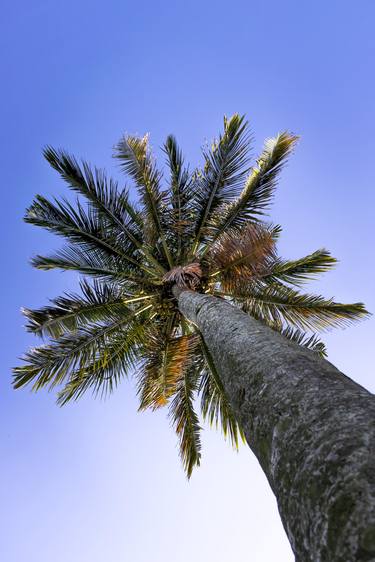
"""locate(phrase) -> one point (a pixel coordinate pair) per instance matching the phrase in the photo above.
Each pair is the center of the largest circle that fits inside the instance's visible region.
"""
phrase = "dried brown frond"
(186, 276)
(166, 361)
(241, 256)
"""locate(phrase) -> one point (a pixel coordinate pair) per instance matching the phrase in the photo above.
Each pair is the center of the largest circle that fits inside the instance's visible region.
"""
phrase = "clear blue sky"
(97, 481)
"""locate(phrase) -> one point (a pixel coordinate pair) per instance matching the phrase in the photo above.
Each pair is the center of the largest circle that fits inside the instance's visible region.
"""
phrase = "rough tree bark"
(311, 428)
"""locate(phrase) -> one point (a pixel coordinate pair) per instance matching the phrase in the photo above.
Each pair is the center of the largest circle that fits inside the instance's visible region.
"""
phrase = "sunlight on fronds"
(259, 188)
(136, 160)
(201, 230)
(224, 170)
(167, 358)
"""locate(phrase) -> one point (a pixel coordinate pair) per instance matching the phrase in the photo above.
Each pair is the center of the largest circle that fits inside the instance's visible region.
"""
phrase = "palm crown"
(204, 232)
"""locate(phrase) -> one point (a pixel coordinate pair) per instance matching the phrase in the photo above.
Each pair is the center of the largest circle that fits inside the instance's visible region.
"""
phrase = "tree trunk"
(311, 428)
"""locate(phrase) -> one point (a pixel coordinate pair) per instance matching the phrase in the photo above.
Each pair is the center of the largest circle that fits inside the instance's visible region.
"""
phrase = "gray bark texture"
(311, 428)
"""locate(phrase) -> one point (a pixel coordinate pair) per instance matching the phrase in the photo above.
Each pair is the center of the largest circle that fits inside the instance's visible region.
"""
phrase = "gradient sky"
(95, 480)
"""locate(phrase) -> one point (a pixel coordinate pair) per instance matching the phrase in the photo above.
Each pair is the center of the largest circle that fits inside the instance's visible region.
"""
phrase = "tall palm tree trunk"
(311, 428)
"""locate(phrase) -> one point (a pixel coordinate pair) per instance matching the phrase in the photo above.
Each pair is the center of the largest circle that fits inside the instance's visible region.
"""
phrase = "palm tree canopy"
(203, 230)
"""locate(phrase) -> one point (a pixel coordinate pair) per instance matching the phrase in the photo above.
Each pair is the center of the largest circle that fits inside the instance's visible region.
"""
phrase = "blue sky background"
(95, 480)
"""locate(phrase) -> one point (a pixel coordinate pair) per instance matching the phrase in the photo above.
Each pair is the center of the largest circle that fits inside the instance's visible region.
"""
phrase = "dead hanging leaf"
(185, 276)
(241, 256)
(166, 362)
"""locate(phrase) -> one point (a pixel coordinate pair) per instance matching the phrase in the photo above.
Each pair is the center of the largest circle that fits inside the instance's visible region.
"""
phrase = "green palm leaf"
(224, 171)
(98, 302)
(101, 375)
(186, 423)
(165, 357)
(102, 193)
(97, 264)
(310, 341)
(84, 229)
(51, 364)
(136, 160)
(180, 199)
(214, 402)
(278, 303)
(117, 213)
(202, 231)
(259, 188)
(297, 272)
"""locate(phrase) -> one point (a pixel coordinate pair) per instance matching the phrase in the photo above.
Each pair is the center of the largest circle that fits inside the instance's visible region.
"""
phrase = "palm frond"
(74, 224)
(297, 272)
(205, 233)
(214, 402)
(166, 359)
(180, 198)
(136, 160)
(225, 168)
(103, 193)
(113, 206)
(186, 423)
(259, 188)
(241, 257)
(97, 264)
(278, 303)
(85, 229)
(51, 364)
(184, 276)
(98, 302)
(101, 375)
(310, 341)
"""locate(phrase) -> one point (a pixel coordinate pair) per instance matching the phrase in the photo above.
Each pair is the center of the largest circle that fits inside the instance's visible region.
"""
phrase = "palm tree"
(185, 289)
